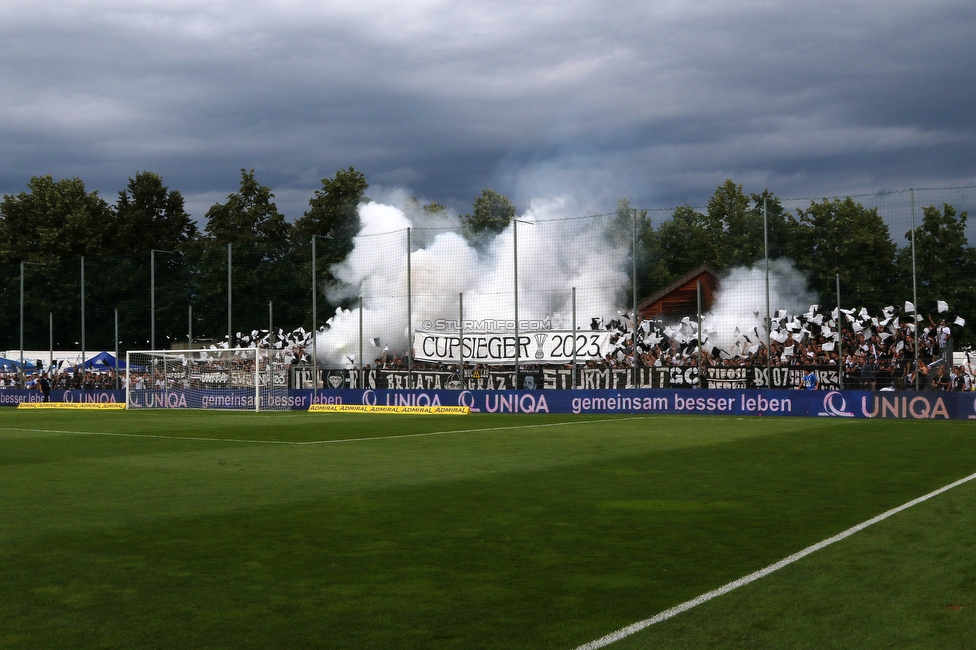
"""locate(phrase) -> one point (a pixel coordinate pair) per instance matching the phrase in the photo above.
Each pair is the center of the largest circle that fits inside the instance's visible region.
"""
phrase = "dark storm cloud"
(656, 101)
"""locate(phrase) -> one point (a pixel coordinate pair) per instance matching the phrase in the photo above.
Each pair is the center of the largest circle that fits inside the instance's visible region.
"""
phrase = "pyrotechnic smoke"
(741, 300)
(551, 260)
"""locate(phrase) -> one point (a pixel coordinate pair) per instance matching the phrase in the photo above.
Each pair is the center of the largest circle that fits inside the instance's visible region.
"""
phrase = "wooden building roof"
(680, 298)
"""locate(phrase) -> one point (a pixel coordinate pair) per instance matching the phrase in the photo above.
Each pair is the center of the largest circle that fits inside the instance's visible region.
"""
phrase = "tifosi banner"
(500, 348)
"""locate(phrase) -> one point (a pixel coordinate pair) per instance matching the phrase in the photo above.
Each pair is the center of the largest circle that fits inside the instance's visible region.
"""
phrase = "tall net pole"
(315, 319)
(840, 339)
(409, 316)
(152, 299)
(230, 295)
(769, 316)
(461, 336)
(701, 343)
(911, 194)
(515, 269)
(83, 316)
(270, 345)
(574, 338)
(634, 292)
(23, 377)
(116, 349)
(361, 342)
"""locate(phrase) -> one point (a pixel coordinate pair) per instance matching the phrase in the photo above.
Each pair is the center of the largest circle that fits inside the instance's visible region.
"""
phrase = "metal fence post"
(840, 339)
(634, 292)
(515, 269)
(83, 315)
(769, 316)
(315, 317)
(409, 316)
(230, 293)
(461, 336)
(911, 193)
(574, 338)
(361, 342)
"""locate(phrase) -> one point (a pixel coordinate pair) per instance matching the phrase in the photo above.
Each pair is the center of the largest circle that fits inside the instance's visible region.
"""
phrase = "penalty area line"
(762, 573)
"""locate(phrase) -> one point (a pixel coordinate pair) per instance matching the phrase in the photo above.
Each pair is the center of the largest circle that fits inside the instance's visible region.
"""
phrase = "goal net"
(250, 379)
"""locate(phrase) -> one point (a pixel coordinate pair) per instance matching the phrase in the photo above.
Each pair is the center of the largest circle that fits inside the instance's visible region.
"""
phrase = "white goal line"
(752, 577)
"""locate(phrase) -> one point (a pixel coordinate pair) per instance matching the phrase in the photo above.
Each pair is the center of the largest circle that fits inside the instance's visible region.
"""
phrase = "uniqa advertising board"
(829, 403)
(833, 403)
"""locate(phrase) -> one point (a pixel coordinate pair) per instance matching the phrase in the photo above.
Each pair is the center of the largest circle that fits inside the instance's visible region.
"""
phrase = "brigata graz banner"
(588, 378)
(495, 348)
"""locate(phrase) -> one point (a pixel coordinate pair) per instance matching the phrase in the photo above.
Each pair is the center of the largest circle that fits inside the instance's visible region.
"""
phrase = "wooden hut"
(680, 298)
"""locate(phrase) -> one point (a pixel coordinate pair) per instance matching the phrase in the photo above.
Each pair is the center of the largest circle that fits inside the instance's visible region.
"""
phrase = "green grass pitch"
(296, 530)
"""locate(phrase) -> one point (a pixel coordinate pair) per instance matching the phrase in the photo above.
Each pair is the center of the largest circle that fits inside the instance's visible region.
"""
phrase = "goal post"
(252, 379)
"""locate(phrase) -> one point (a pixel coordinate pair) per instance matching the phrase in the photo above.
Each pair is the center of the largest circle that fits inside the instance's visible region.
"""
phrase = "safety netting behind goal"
(249, 379)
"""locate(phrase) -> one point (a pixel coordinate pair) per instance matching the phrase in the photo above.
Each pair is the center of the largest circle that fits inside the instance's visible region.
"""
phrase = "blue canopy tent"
(105, 362)
(9, 365)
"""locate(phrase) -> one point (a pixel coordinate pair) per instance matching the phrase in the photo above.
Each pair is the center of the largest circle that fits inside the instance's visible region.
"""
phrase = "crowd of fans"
(73, 379)
(877, 352)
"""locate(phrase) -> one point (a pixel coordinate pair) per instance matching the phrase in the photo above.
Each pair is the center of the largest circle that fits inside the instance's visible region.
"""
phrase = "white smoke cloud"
(741, 300)
(554, 255)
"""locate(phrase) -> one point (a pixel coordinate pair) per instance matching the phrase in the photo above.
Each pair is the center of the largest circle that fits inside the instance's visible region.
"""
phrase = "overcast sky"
(658, 101)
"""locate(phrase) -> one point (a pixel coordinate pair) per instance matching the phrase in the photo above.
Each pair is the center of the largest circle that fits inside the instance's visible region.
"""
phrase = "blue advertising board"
(738, 402)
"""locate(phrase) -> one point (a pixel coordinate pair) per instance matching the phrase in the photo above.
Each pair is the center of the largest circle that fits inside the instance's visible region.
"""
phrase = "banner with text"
(496, 348)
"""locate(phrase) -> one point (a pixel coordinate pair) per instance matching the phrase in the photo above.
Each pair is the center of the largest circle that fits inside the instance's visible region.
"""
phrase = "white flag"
(960, 321)
(909, 306)
(942, 305)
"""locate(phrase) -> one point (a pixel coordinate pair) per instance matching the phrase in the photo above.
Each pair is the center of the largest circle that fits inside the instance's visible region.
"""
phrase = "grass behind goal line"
(513, 537)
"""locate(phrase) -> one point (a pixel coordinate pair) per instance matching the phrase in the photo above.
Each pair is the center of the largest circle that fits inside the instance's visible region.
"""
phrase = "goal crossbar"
(230, 378)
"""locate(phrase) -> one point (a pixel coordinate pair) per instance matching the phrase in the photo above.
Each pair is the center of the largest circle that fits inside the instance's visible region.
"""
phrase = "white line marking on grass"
(441, 433)
(297, 443)
(762, 573)
(145, 435)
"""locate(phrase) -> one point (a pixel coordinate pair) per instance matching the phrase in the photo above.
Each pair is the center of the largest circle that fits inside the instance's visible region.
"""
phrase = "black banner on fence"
(586, 378)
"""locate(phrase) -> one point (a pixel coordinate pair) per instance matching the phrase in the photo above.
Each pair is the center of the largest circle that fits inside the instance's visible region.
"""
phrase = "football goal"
(250, 379)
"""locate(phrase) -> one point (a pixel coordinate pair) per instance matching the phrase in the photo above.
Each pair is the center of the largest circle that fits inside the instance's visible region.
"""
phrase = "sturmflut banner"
(500, 347)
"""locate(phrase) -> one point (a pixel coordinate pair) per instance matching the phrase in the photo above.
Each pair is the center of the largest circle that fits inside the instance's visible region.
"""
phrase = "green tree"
(620, 232)
(729, 233)
(690, 238)
(53, 220)
(841, 236)
(491, 214)
(433, 208)
(249, 216)
(262, 270)
(728, 211)
(945, 264)
(333, 218)
(741, 217)
(149, 215)
(780, 228)
(333, 213)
